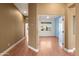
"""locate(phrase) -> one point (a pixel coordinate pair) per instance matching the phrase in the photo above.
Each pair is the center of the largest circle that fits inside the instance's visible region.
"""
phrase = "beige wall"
(51, 9)
(66, 28)
(70, 36)
(11, 26)
(77, 29)
(33, 32)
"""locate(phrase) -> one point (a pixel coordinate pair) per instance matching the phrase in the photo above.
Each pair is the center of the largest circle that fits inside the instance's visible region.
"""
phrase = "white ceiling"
(22, 7)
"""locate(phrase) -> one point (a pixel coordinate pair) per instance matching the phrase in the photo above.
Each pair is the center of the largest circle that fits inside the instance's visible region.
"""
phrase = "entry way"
(49, 25)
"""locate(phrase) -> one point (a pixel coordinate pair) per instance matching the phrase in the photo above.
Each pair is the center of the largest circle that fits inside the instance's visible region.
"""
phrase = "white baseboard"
(60, 45)
(69, 50)
(11, 47)
(36, 50)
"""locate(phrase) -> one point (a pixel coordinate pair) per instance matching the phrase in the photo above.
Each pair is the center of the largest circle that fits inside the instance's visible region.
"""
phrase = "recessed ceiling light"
(25, 12)
(47, 17)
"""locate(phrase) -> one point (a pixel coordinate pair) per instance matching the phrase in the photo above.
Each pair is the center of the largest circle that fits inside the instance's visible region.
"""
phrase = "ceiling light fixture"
(25, 12)
(47, 17)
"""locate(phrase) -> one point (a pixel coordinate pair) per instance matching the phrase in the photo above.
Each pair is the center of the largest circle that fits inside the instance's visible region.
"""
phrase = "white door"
(61, 31)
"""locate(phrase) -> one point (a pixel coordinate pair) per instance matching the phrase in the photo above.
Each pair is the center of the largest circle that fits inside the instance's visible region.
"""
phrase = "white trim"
(36, 50)
(11, 47)
(60, 45)
(69, 50)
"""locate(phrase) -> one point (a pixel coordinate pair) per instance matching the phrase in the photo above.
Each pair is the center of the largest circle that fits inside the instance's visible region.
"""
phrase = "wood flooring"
(48, 46)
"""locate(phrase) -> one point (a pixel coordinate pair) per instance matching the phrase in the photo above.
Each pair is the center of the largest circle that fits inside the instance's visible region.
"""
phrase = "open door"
(61, 31)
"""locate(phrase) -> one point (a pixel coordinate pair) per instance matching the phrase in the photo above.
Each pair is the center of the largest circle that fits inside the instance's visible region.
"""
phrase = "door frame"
(38, 27)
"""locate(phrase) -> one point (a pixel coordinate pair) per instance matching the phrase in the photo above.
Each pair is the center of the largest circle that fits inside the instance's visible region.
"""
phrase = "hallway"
(42, 26)
(48, 47)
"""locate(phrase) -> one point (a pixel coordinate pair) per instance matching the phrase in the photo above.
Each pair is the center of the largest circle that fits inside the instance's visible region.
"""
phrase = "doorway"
(26, 31)
(52, 26)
